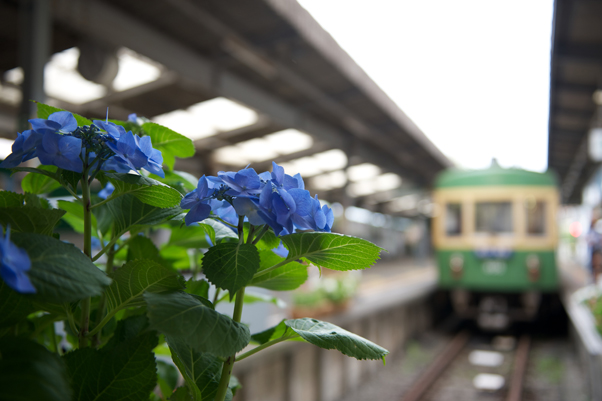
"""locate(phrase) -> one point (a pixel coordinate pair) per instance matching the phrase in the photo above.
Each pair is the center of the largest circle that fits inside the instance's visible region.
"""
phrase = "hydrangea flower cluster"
(276, 199)
(104, 146)
(14, 264)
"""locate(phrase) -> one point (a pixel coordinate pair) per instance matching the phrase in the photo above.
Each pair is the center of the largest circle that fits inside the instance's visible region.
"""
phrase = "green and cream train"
(495, 237)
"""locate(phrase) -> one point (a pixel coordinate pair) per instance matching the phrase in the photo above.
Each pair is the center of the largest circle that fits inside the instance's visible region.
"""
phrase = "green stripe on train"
(493, 176)
(491, 274)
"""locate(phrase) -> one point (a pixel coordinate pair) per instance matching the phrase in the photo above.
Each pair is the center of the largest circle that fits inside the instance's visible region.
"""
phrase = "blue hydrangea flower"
(62, 151)
(275, 199)
(154, 156)
(14, 263)
(106, 191)
(115, 131)
(128, 155)
(245, 182)
(23, 149)
(198, 201)
(61, 121)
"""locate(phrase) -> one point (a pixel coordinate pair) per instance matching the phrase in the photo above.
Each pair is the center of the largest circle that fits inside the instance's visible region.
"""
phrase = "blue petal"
(199, 212)
(65, 119)
(277, 173)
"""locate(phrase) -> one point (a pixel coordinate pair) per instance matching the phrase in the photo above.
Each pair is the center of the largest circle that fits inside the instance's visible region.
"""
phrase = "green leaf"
(14, 307)
(328, 336)
(147, 190)
(181, 394)
(142, 248)
(30, 372)
(137, 277)
(252, 298)
(193, 236)
(200, 369)
(198, 287)
(332, 251)
(180, 180)
(231, 266)
(269, 334)
(127, 329)
(285, 278)
(25, 214)
(167, 377)
(128, 211)
(176, 256)
(40, 184)
(183, 317)
(125, 372)
(170, 143)
(220, 231)
(60, 272)
(70, 178)
(45, 110)
(268, 241)
(75, 216)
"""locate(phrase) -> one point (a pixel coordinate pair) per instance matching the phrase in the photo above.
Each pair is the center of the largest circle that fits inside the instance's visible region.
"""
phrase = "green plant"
(121, 299)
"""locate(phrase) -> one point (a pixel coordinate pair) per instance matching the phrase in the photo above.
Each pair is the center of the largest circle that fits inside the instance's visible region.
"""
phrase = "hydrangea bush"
(102, 322)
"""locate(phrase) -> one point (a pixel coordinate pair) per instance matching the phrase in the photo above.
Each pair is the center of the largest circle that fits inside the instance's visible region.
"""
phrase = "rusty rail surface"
(434, 371)
(520, 368)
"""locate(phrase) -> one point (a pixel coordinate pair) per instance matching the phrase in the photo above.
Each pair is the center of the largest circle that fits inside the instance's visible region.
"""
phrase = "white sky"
(472, 74)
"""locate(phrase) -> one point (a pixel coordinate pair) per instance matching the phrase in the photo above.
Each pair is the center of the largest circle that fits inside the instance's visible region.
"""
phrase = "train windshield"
(493, 217)
(536, 217)
(453, 219)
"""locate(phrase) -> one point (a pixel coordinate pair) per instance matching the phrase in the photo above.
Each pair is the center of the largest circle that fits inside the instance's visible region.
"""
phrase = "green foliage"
(332, 251)
(285, 278)
(231, 266)
(40, 184)
(126, 371)
(147, 190)
(135, 278)
(327, 335)
(202, 371)
(14, 307)
(128, 211)
(59, 271)
(25, 214)
(30, 372)
(45, 110)
(183, 317)
(170, 143)
(118, 305)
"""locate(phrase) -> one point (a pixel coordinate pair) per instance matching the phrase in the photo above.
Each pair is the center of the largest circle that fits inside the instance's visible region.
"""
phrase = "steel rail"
(520, 368)
(435, 370)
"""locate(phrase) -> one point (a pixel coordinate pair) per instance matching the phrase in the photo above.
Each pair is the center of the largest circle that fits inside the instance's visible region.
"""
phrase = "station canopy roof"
(250, 81)
(575, 97)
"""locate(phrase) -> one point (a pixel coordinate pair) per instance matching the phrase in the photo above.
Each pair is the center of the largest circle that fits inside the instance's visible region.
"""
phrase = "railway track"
(427, 387)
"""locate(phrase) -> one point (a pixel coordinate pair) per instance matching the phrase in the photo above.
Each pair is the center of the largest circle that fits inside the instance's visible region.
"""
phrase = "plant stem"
(229, 363)
(103, 298)
(264, 346)
(85, 305)
(269, 269)
(260, 234)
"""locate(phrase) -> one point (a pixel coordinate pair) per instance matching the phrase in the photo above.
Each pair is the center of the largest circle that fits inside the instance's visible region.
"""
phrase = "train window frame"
(542, 216)
(510, 230)
(459, 215)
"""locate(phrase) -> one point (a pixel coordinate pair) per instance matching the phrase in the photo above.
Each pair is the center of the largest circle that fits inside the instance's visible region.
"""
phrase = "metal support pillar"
(35, 24)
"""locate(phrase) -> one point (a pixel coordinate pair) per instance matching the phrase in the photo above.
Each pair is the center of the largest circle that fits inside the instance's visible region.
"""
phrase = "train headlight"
(456, 265)
(533, 267)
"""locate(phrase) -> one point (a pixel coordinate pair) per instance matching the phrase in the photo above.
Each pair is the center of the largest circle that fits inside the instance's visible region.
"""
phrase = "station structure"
(300, 98)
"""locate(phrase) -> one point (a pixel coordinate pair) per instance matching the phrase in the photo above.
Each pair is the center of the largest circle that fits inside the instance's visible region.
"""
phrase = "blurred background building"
(249, 81)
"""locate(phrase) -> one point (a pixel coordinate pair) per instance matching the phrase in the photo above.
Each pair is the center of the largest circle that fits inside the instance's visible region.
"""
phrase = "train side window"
(493, 217)
(453, 219)
(536, 217)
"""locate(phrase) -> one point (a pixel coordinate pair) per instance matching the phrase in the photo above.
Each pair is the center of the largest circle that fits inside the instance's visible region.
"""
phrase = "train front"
(495, 237)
